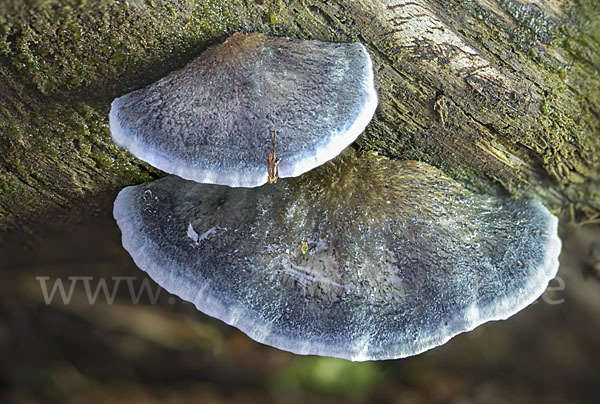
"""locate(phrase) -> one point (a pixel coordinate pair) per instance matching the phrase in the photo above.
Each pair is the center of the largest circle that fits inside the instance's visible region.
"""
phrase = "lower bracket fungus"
(212, 120)
(363, 258)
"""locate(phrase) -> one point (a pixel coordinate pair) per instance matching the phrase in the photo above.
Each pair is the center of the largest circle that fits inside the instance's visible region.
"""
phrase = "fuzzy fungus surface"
(213, 120)
(363, 258)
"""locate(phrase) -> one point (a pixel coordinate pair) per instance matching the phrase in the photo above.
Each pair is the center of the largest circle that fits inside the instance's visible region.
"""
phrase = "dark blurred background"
(163, 350)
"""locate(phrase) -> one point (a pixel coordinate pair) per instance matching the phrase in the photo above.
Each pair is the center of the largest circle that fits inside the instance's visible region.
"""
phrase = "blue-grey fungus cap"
(213, 120)
(363, 258)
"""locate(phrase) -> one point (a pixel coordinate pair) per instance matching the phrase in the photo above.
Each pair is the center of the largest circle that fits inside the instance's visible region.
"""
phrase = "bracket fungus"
(363, 258)
(212, 121)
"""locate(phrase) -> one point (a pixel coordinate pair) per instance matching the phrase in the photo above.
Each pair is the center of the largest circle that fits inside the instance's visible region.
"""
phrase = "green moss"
(544, 108)
(70, 45)
(37, 175)
(563, 135)
(9, 186)
(533, 24)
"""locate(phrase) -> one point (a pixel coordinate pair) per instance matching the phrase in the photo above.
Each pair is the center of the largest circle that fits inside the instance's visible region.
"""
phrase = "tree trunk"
(491, 91)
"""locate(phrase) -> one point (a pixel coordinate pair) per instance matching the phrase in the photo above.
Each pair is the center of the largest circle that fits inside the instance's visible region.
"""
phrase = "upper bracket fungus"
(363, 258)
(212, 121)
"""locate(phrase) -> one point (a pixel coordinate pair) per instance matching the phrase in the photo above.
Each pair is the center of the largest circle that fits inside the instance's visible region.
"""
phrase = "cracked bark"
(492, 91)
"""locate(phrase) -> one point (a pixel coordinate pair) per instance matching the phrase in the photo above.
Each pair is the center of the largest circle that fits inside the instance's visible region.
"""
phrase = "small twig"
(273, 162)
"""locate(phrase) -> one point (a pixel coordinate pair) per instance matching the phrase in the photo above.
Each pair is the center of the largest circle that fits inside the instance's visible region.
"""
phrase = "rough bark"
(492, 91)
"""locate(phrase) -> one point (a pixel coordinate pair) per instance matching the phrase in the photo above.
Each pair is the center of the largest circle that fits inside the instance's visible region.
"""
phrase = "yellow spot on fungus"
(304, 247)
